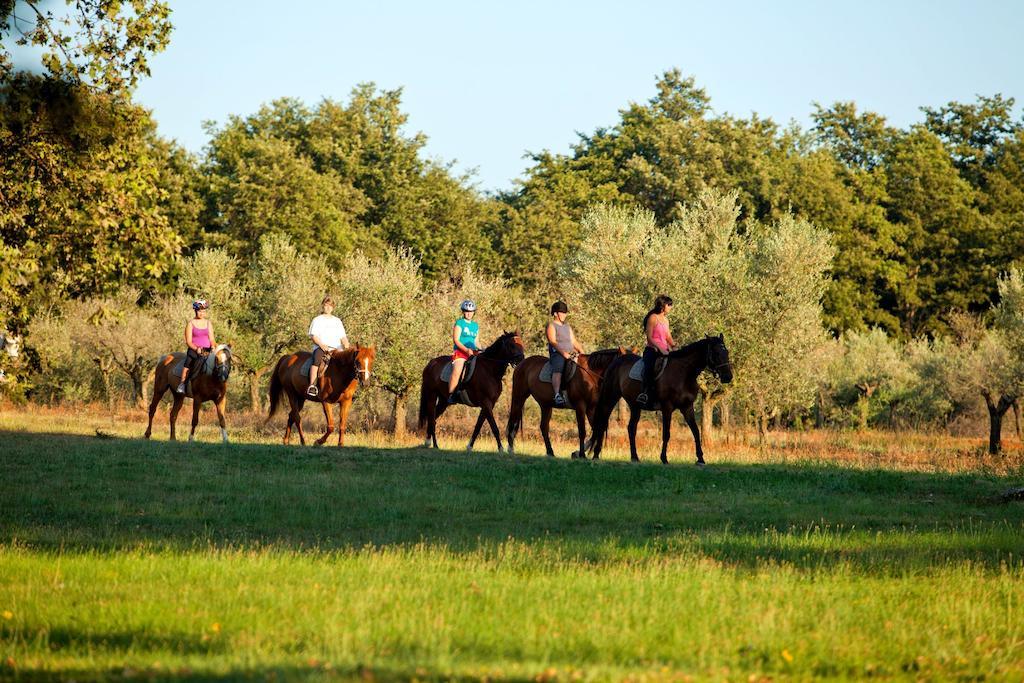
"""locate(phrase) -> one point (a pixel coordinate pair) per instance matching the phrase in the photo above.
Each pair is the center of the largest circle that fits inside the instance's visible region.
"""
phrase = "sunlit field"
(820, 554)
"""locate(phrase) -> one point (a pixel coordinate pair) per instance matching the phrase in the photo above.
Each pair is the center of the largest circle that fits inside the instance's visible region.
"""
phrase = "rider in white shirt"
(328, 334)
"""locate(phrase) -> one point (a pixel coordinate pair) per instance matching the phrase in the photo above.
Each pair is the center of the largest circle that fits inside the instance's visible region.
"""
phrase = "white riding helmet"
(468, 305)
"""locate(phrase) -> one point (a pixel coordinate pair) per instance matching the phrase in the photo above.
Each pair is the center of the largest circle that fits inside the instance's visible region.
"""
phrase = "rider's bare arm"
(213, 342)
(344, 343)
(575, 344)
(188, 336)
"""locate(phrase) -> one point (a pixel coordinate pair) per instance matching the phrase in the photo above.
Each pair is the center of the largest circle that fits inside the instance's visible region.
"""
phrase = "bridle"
(716, 368)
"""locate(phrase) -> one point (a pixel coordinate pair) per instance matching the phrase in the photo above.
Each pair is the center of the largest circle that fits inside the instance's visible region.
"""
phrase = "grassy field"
(820, 556)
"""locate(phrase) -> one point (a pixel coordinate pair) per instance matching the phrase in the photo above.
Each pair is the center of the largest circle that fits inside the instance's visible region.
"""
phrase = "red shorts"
(459, 353)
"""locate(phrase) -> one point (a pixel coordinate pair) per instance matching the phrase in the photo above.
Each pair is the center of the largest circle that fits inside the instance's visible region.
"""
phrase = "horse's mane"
(496, 345)
(346, 355)
(700, 344)
(599, 360)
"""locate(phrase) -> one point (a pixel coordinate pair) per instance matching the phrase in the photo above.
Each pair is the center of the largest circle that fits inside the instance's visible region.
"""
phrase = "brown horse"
(482, 389)
(201, 387)
(346, 371)
(675, 389)
(581, 390)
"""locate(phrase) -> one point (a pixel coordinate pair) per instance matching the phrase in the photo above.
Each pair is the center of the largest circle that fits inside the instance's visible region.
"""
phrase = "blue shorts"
(556, 359)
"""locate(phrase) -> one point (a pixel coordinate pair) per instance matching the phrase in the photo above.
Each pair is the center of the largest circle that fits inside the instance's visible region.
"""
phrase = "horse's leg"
(691, 419)
(476, 430)
(346, 404)
(196, 405)
(545, 426)
(330, 423)
(581, 427)
(158, 394)
(634, 420)
(175, 409)
(489, 413)
(666, 429)
(219, 405)
(298, 423)
(439, 407)
(515, 416)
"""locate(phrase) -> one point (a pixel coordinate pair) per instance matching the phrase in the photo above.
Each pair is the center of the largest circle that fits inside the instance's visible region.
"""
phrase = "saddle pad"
(637, 371)
(545, 372)
(306, 367)
(179, 367)
(467, 372)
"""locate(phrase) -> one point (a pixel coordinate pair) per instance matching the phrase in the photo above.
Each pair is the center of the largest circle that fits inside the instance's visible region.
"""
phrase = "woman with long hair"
(659, 343)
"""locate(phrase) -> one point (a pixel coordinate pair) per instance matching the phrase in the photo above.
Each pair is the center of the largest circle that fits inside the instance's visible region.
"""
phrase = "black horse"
(676, 388)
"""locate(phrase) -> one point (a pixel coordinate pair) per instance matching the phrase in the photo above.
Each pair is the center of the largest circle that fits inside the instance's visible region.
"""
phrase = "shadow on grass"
(281, 673)
(75, 492)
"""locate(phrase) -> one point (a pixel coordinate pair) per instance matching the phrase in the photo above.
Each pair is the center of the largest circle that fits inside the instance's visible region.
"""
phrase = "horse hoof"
(575, 455)
(700, 463)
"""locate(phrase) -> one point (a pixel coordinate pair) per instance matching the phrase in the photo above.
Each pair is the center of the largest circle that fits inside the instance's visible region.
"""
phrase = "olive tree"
(760, 285)
(386, 304)
(283, 290)
(870, 374)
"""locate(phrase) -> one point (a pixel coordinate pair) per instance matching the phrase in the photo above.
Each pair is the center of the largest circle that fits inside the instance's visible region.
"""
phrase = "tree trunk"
(707, 408)
(255, 403)
(1016, 418)
(398, 414)
(138, 389)
(995, 419)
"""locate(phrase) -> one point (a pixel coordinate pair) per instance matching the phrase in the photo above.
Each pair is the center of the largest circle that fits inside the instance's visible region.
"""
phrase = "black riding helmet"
(559, 307)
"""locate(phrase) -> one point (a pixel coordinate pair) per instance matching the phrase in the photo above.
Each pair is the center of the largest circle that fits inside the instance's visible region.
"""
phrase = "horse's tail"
(606, 400)
(425, 398)
(520, 392)
(276, 387)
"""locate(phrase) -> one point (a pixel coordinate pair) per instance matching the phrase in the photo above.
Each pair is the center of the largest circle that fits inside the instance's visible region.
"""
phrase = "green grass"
(121, 558)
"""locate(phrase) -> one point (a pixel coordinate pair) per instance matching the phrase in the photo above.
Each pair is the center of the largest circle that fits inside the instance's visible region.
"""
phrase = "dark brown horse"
(482, 389)
(346, 371)
(581, 391)
(676, 388)
(201, 387)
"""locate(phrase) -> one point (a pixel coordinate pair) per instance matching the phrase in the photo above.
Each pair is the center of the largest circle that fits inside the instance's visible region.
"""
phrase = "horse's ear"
(721, 337)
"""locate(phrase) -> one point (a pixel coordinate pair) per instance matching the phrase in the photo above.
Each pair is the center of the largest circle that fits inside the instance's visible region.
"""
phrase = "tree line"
(910, 234)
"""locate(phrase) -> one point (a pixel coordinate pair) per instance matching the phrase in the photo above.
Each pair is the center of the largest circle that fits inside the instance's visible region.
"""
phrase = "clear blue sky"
(488, 81)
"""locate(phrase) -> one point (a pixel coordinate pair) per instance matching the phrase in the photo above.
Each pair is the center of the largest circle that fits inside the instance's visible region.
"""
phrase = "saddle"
(308, 365)
(206, 368)
(570, 371)
(467, 370)
(637, 371)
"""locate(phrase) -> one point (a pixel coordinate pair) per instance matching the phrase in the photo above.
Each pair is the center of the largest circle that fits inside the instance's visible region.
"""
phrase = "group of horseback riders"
(664, 379)
(327, 332)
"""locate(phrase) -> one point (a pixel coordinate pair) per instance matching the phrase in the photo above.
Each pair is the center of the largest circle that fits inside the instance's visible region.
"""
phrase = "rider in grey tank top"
(563, 338)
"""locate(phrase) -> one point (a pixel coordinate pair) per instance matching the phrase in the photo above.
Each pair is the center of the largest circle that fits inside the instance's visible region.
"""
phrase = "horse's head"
(362, 361)
(222, 362)
(512, 345)
(718, 358)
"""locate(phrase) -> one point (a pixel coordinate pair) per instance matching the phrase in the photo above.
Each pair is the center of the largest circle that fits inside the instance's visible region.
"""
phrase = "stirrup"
(643, 399)
(560, 400)
(312, 391)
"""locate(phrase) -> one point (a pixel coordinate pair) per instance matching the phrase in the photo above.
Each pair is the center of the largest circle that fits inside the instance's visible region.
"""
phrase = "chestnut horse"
(201, 387)
(346, 371)
(483, 388)
(581, 390)
(675, 389)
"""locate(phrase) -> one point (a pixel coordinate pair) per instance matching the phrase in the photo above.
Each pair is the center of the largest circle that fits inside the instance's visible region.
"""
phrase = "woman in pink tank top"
(199, 338)
(659, 343)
